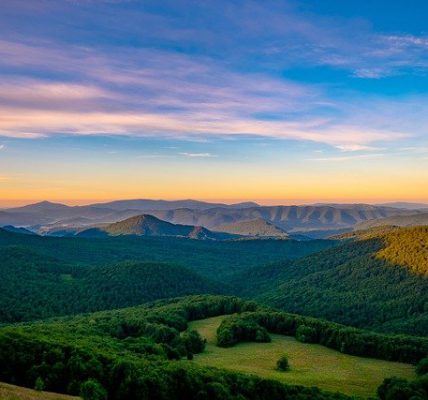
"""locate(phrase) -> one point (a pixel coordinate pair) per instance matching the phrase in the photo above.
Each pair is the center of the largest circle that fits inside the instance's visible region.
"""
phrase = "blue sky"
(290, 101)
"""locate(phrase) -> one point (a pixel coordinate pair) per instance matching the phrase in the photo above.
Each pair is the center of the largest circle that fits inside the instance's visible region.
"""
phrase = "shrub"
(92, 390)
(39, 385)
(282, 364)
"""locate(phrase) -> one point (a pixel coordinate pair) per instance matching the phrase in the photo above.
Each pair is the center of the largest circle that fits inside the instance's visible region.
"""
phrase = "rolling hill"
(14, 229)
(215, 259)
(377, 281)
(255, 228)
(35, 286)
(11, 392)
(150, 352)
(148, 225)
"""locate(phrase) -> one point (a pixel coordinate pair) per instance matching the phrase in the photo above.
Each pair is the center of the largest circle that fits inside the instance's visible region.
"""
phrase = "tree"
(39, 385)
(422, 367)
(282, 364)
(92, 390)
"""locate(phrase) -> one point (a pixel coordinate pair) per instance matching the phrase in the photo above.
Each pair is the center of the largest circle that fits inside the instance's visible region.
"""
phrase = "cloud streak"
(198, 155)
(139, 94)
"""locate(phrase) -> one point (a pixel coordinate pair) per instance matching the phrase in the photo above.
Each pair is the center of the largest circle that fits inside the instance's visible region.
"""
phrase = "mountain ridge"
(148, 225)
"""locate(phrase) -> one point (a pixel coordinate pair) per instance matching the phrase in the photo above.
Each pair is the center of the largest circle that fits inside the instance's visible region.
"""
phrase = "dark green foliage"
(306, 334)
(422, 366)
(345, 339)
(39, 385)
(193, 342)
(401, 389)
(236, 329)
(282, 364)
(214, 259)
(92, 390)
(85, 355)
(357, 283)
(35, 287)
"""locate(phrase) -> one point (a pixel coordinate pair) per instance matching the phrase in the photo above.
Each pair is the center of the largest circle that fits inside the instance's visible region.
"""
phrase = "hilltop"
(256, 228)
(148, 225)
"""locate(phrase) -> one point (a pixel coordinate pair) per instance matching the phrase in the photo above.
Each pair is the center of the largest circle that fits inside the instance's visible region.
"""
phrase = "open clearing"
(311, 364)
(10, 392)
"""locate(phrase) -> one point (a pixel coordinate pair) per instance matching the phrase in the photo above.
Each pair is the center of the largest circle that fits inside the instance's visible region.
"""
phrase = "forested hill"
(148, 225)
(407, 247)
(35, 287)
(214, 259)
(377, 281)
(138, 353)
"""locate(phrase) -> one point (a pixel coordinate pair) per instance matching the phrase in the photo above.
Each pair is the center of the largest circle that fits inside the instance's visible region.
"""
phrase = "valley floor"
(10, 392)
(311, 364)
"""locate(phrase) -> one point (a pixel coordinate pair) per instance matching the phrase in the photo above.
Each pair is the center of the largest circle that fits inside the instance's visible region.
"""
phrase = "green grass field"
(311, 364)
(10, 392)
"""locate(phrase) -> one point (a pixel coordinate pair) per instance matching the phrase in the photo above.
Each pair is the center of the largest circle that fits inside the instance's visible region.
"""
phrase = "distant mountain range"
(405, 205)
(145, 204)
(315, 221)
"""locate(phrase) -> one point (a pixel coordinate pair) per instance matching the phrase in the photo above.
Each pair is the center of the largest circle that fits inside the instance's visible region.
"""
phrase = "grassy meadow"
(311, 364)
(10, 392)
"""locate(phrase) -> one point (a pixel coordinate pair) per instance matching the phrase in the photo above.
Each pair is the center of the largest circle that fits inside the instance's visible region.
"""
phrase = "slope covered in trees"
(214, 259)
(35, 287)
(376, 281)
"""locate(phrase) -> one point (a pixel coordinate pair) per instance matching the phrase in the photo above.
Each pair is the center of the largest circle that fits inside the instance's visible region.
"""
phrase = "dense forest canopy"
(369, 281)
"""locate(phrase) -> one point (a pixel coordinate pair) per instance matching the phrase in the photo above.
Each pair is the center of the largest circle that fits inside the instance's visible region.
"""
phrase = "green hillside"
(215, 259)
(310, 364)
(11, 392)
(35, 287)
(375, 281)
(145, 352)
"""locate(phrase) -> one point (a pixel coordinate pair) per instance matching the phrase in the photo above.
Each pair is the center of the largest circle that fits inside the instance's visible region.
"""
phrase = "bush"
(39, 385)
(92, 390)
(282, 364)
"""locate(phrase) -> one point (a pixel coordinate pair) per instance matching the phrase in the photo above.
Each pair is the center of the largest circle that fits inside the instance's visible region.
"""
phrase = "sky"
(281, 102)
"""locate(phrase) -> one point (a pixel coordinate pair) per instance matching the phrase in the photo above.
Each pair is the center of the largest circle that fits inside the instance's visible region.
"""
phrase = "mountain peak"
(149, 225)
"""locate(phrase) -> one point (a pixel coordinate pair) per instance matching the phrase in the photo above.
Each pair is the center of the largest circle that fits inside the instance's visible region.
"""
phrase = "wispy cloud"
(60, 86)
(348, 158)
(198, 155)
(355, 147)
(138, 94)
